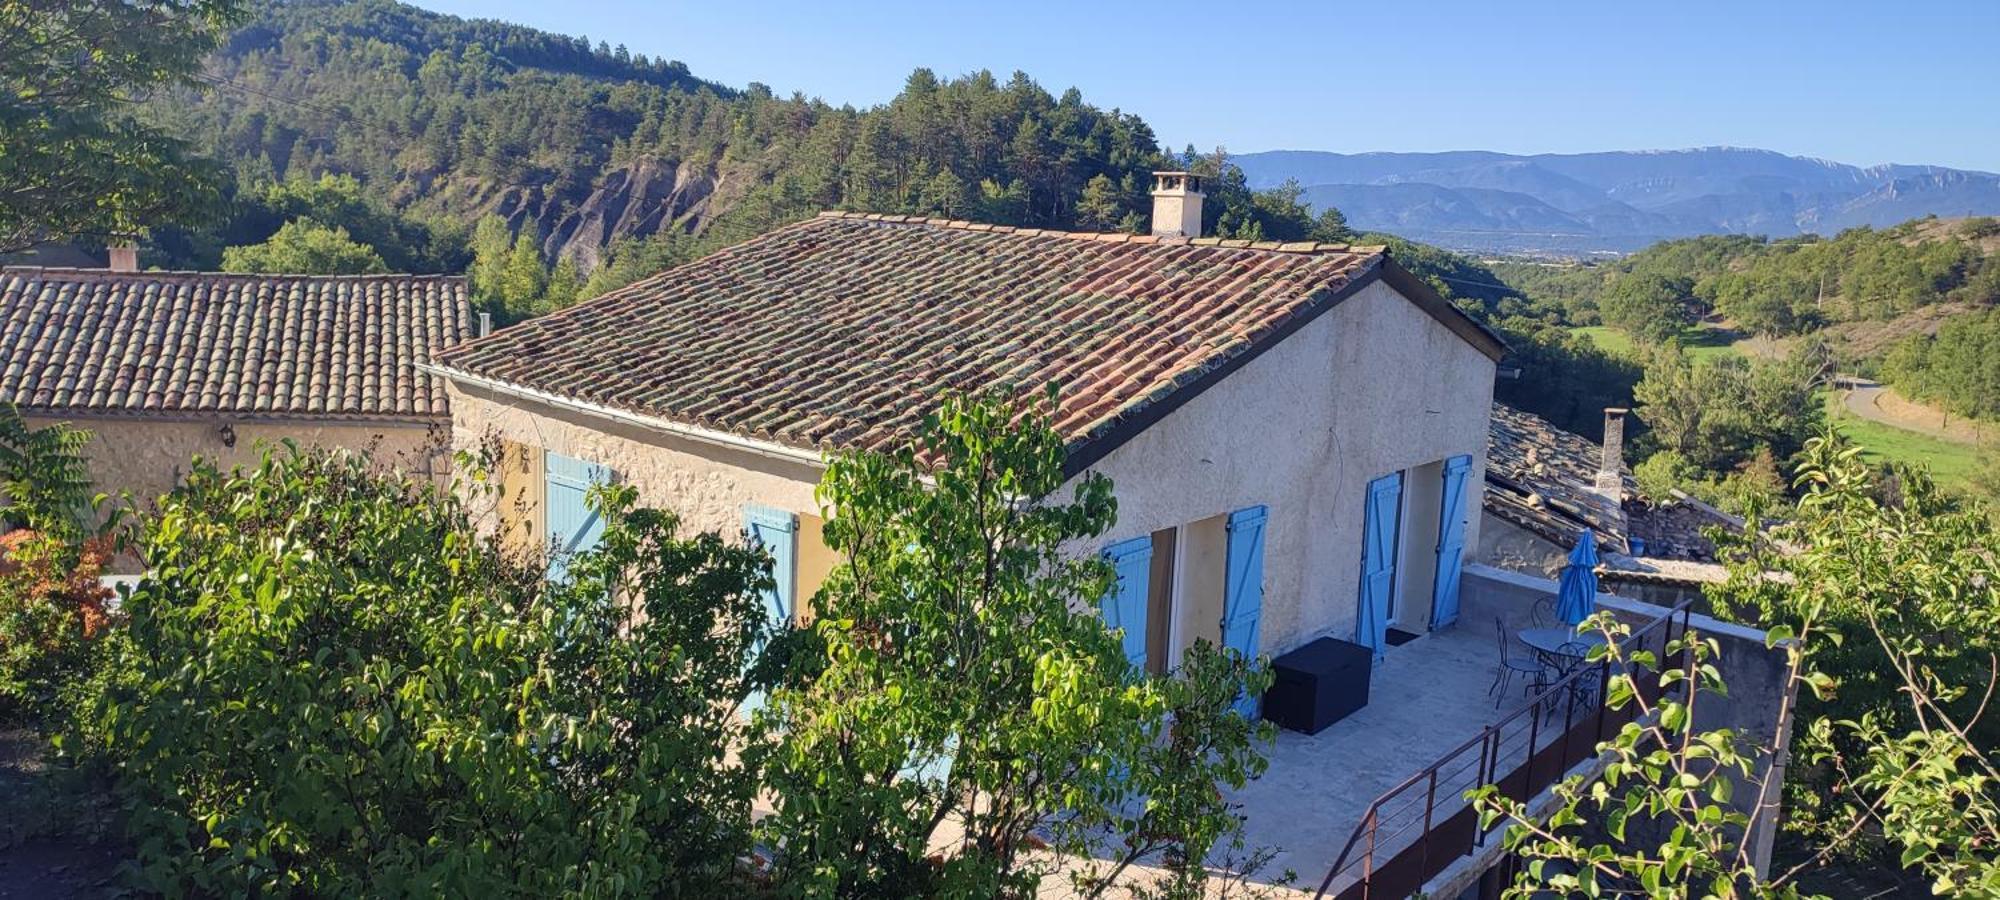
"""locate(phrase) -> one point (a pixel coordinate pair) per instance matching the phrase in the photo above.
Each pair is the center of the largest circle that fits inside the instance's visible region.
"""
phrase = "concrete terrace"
(1426, 698)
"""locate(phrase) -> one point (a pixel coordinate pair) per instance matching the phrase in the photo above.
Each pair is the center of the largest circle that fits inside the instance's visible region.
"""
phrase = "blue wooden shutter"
(572, 525)
(777, 532)
(1124, 605)
(1451, 542)
(1243, 592)
(1378, 561)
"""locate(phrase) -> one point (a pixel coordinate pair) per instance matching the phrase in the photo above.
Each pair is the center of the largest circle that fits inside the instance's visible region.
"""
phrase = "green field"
(1700, 342)
(1951, 464)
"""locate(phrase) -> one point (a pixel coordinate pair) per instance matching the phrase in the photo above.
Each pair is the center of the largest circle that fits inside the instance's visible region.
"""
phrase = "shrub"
(52, 610)
(332, 686)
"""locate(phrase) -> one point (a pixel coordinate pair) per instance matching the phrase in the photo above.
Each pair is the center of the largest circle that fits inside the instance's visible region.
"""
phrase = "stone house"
(161, 366)
(1294, 433)
(1291, 429)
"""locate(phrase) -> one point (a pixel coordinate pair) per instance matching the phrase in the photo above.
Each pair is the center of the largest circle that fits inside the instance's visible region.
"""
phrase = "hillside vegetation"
(594, 151)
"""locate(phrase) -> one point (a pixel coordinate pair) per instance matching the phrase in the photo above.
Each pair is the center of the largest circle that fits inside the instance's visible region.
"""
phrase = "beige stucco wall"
(1372, 387)
(706, 485)
(149, 457)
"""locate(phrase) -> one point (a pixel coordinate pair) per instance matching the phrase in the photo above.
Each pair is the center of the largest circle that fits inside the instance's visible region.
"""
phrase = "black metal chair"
(1572, 657)
(1511, 666)
(1542, 614)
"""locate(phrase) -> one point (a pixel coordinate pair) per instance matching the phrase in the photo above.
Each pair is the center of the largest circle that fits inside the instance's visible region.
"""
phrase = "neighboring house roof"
(841, 331)
(1543, 479)
(1673, 528)
(92, 341)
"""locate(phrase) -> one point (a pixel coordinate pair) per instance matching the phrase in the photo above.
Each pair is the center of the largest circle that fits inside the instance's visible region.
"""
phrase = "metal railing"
(1420, 827)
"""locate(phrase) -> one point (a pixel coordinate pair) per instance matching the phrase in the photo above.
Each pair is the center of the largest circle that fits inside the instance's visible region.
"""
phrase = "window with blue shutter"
(1124, 606)
(1243, 591)
(1451, 542)
(1378, 561)
(776, 531)
(573, 526)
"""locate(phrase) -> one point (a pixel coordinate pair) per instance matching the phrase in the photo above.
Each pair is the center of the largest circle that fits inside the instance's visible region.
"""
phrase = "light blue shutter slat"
(573, 526)
(1378, 561)
(1451, 542)
(777, 532)
(1124, 606)
(1243, 603)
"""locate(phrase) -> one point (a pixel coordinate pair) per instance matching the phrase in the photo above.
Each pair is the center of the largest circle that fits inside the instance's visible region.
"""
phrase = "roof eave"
(712, 437)
(1461, 323)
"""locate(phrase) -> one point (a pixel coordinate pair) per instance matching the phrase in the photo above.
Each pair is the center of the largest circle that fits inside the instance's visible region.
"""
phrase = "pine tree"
(1100, 208)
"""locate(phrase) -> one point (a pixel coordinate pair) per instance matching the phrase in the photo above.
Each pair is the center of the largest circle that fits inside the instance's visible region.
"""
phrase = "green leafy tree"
(491, 243)
(1720, 412)
(1886, 611)
(331, 685)
(524, 280)
(1650, 308)
(956, 560)
(565, 285)
(73, 159)
(44, 478)
(304, 247)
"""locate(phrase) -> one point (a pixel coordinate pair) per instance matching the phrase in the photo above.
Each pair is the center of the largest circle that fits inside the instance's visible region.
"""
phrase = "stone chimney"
(124, 257)
(1177, 204)
(1610, 467)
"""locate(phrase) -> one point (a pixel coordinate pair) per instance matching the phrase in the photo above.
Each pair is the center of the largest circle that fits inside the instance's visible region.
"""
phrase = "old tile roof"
(91, 341)
(1672, 528)
(1543, 479)
(841, 331)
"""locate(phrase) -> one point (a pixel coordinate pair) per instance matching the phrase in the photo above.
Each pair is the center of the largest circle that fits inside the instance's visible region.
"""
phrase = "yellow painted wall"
(815, 561)
(149, 457)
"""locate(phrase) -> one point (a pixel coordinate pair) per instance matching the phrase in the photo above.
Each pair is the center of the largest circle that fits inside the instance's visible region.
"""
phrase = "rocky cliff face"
(637, 200)
(643, 198)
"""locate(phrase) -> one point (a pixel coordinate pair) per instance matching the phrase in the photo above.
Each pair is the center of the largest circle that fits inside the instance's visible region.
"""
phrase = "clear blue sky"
(1913, 81)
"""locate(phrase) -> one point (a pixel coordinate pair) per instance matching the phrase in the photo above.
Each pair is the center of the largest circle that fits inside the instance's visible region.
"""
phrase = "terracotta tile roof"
(95, 341)
(841, 331)
(1673, 528)
(1542, 478)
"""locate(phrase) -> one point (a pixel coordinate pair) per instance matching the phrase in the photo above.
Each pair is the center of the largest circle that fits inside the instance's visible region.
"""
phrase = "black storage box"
(1318, 684)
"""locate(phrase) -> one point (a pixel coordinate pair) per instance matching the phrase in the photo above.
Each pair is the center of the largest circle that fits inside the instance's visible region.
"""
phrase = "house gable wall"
(1374, 386)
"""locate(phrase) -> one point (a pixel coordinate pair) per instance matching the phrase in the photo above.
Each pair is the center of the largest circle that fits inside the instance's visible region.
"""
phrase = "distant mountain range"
(1570, 204)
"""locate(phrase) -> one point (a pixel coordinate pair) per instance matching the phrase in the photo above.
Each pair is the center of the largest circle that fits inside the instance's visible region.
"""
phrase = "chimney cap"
(1176, 181)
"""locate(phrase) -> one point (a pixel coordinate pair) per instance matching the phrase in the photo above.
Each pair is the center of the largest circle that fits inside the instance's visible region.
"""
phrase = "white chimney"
(124, 257)
(1176, 204)
(1610, 466)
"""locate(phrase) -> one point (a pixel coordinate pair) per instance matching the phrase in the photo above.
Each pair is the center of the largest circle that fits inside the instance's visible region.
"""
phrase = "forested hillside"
(591, 150)
(1787, 287)
(370, 135)
(1916, 305)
